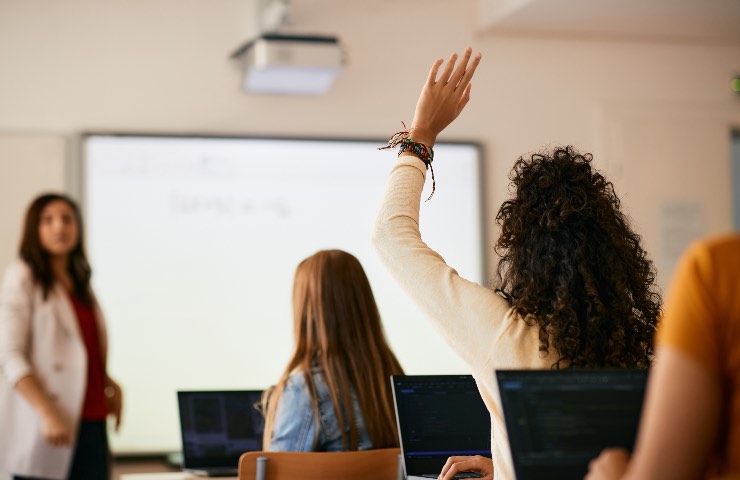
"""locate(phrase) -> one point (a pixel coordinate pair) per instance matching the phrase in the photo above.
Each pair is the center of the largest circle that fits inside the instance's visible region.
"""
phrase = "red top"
(95, 407)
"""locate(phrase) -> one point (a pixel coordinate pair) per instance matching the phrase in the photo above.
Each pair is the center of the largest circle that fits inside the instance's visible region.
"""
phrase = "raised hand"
(443, 96)
(114, 400)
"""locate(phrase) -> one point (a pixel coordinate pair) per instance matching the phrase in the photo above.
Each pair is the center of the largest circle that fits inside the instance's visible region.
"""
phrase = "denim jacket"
(294, 427)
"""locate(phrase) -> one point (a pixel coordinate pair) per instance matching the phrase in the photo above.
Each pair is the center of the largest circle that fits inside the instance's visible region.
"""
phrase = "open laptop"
(217, 427)
(439, 416)
(559, 420)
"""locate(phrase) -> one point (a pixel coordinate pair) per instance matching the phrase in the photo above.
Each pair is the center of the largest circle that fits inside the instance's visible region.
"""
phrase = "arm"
(114, 400)
(16, 310)
(56, 429)
(463, 311)
(294, 427)
(680, 419)
(679, 424)
(113, 391)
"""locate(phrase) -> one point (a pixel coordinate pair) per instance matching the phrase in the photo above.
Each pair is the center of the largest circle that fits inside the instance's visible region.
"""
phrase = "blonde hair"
(337, 328)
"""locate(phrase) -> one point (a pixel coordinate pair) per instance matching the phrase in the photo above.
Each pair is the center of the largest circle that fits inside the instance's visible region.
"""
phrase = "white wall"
(29, 164)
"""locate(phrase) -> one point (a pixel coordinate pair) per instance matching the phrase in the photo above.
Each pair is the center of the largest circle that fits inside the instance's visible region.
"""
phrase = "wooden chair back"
(380, 464)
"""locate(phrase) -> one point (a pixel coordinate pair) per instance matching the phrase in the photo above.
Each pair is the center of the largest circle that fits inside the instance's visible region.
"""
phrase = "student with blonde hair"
(335, 393)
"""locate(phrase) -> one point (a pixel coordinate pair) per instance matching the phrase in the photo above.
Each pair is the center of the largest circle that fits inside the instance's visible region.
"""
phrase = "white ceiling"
(716, 21)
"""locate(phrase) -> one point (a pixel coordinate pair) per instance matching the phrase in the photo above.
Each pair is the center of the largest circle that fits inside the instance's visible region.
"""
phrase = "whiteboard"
(194, 242)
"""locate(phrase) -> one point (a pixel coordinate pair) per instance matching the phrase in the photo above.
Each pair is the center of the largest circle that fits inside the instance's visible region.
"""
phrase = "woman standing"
(341, 359)
(56, 393)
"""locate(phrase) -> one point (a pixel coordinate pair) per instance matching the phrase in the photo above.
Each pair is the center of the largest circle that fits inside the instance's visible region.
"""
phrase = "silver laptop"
(558, 420)
(217, 427)
(439, 416)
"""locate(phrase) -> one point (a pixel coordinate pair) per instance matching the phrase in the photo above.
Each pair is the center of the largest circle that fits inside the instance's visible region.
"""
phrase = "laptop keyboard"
(227, 472)
(459, 475)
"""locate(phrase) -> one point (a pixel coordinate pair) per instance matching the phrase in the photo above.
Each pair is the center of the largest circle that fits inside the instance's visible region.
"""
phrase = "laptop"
(439, 416)
(559, 420)
(217, 427)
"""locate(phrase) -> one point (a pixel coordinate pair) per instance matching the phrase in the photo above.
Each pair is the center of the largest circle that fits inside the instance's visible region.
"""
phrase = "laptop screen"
(559, 420)
(439, 416)
(218, 426)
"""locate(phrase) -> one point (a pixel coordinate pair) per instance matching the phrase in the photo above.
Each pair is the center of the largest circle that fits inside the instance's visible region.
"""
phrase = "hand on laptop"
(610, 465)
(455, 465)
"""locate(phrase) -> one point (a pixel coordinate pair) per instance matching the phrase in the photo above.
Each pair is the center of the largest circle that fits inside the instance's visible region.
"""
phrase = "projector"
(290, 64)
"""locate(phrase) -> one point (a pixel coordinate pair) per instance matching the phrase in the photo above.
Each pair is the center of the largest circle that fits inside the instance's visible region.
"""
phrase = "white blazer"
(41, 337)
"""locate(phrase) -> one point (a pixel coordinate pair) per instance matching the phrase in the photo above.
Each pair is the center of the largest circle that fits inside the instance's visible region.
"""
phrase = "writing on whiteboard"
(189, 204)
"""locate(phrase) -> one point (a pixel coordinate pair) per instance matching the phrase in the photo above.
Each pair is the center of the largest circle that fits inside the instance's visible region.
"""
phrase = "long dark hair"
(571, 264)
(337, 328)
(37, 258)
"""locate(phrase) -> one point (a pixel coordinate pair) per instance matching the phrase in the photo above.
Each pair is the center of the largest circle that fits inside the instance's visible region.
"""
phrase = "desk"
(167, 476)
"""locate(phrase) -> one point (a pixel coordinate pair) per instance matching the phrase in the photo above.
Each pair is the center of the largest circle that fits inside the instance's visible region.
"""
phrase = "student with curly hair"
(574, 286)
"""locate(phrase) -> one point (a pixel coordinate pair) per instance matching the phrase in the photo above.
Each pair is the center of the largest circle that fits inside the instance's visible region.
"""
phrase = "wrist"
(417, 142)
(422, 135)
(48, 413)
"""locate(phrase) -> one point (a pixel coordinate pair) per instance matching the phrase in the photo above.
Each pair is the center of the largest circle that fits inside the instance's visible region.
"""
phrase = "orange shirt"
(702, 319)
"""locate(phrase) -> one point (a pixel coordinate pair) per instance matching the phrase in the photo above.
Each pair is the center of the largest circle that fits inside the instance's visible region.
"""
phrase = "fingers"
(433, 72)
(448, 465)
(610, 465)
(58, 439)
(441, 101)
(459, 76)
(118, 420)
(55, 430)
(461, 67)
(115, 403)
(467, 75)
(455, 465)
(447, 72)
(117, 414)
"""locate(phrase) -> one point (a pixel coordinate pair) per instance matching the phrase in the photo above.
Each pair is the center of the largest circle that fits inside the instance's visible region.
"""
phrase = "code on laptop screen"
(566, 418)
(217, 427)
(440, 416)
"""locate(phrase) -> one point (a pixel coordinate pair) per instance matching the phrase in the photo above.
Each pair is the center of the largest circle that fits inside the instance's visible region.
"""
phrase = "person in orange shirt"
(690, 426)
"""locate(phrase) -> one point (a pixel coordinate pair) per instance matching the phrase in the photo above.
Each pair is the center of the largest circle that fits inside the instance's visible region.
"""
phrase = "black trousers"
(90, 460)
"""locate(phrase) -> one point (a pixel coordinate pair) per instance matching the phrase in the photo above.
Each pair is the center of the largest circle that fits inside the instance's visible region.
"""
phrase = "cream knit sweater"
(475, 321)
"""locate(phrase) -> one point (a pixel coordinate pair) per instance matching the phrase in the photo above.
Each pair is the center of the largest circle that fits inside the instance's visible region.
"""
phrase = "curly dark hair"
(571, 264)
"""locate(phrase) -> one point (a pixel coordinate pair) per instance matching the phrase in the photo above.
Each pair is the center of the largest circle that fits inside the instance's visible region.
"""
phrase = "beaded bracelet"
(403, 141)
